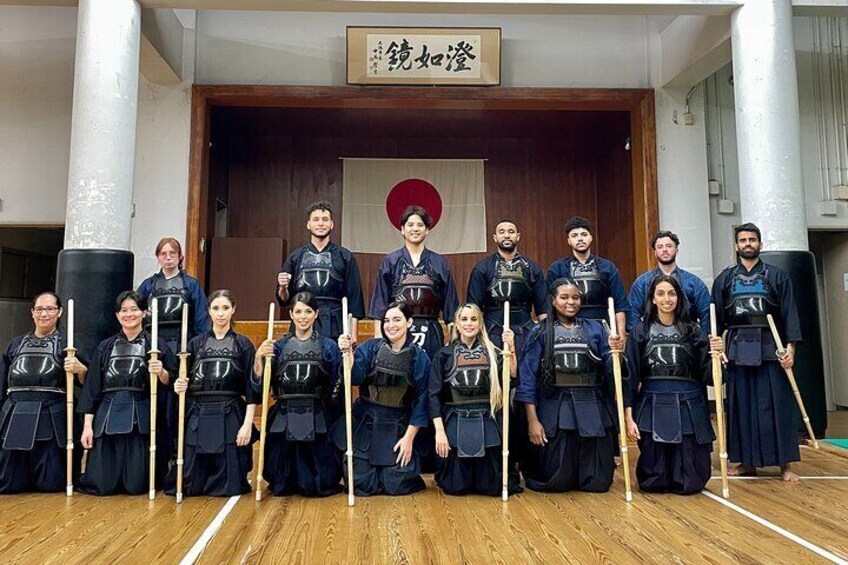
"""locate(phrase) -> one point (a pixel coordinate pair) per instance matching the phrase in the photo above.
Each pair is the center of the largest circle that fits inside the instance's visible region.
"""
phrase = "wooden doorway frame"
(638, 102)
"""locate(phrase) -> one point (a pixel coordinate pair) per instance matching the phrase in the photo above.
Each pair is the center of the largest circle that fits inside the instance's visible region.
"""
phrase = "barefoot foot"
(742, 471)
(788, 475)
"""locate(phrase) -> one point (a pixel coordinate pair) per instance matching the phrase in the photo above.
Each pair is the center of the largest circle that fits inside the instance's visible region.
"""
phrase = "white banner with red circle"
(377, 191)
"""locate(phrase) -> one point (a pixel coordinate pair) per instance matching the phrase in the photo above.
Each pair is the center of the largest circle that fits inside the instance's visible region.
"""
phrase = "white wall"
(36, 88)
(309, 48)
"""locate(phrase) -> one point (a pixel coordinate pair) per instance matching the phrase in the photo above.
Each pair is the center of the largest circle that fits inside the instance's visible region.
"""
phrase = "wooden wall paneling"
(644, 174)
(197, 206)
(261, 257)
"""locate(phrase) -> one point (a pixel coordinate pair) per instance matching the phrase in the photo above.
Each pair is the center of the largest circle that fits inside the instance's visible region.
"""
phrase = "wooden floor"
(430, 527)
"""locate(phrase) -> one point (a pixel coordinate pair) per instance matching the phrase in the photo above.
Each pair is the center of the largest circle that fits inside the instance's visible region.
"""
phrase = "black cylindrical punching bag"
(800, 266)
(93, 278)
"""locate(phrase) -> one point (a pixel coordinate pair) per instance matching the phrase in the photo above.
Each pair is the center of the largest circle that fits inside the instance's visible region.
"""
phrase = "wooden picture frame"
(423, 56)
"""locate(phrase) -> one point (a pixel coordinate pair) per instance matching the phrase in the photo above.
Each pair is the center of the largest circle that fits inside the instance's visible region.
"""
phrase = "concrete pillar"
(96, 264)
(768, 130)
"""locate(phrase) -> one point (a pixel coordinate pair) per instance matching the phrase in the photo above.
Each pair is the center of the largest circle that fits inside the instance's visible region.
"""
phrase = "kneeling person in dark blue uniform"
(116, 404)
(220, 405)
(300, 457)
(669, 361)
(32, 397)
(466, 406)
(567, 387)
(393, 374)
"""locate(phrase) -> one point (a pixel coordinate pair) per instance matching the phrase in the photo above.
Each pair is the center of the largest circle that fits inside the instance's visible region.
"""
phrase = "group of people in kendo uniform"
(419, 399)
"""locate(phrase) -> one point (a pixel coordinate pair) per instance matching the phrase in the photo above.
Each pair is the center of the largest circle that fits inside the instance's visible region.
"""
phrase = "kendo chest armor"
(417, 289)
(667, 354)
(38, 365)
(216, 369)
(594, 292)
(468, 376)
(170, 295)
(127, 366)
(574, 362)
(388, 382)
(510, 283)
(751, 300)
(317, 275)
(301, 373)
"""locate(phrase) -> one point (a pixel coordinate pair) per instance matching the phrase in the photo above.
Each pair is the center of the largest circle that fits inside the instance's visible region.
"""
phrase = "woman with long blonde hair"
(466, 405)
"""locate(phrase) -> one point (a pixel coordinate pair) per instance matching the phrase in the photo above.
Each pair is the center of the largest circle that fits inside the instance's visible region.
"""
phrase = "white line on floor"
(209, 532)
(777, 529)
(777, 478)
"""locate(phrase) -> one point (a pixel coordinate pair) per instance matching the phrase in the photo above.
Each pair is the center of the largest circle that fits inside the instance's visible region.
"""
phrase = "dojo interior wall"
(269, 164)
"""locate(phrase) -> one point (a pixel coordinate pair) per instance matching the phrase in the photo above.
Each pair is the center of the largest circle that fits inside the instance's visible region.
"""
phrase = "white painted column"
(768, 123)
(103, 124)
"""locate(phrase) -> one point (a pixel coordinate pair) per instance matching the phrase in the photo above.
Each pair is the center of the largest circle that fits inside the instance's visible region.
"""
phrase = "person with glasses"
(116, 403)
(32, 403)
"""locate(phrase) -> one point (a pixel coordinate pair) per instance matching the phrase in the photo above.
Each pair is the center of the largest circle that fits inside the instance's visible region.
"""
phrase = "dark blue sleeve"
(540, 290)
(332, 360)
(529, 367)
(92, 390)
(451, 303)
(555, 271)
(636, 298)
(6, 363)
(363, 357)
(616, 287)
(598, 337)
(247, 355)
(633, 353)
(382, 288)
(202, 321)
(477, 286)
(437, 379)
(420, 415)
(146, 287)
(289, 266)
(169, 361)
(718, 299)
(355, 302)
(788, 310)
(701, 299)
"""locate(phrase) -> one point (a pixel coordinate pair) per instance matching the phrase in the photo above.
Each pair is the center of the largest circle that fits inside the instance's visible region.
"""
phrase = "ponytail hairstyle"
(495, 396)
(177, 247)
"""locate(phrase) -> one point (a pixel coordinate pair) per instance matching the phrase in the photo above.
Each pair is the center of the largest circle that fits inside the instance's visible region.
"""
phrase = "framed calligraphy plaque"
(424, 55)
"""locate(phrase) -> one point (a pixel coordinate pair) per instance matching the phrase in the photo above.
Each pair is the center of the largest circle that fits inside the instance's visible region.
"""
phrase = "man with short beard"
(507, 275)
(760, 405)
(325, 270)
(596, 277)
(696, 297)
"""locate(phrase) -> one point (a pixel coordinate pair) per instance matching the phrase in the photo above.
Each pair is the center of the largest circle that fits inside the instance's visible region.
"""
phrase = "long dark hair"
(305, 298)
(550, 323)
(681, 312)
(404, 309)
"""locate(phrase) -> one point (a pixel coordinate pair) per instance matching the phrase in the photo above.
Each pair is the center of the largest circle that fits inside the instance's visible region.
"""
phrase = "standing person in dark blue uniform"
(116, 404)
(393, 375)
(508, 275)
(761, 410)
(568, 391)
(596, 277)
(419, 278)
(220, 405)
(300, 457)
(696, 297)
(670, 366)
(172, 287)
(326, 271)
(32, 404)
(466, 405)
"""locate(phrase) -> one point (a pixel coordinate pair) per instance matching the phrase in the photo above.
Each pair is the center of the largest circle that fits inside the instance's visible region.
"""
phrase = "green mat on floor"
(843, 443)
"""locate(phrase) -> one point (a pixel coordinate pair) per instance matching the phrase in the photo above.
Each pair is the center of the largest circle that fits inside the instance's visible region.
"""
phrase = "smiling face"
(414, 230)
(46, 314)
(130, 316)
(469, 323)
(506, 236)
(665, 297)
(320, 223)
(221, 311)
(395, 325)
(748, 245)
(303, 316)
(580, 240)
(566, 301)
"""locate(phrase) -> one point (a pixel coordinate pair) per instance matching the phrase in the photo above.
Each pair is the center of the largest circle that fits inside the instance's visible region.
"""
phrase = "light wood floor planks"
(430, 527)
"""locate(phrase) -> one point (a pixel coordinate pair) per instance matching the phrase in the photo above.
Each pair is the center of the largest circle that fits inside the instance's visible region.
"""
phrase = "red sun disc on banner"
(413, 192)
